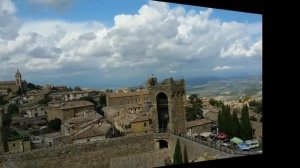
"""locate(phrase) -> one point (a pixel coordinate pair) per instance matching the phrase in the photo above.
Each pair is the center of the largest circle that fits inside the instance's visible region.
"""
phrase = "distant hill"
(226, 88)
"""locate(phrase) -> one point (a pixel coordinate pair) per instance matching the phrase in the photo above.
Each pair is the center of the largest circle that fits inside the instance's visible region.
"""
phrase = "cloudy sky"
(121, 43)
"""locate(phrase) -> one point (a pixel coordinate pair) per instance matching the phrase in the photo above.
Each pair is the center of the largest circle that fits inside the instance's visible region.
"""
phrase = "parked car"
(243, 147)
(252, 143)
(226, 144)
(205, 135)
(219, 136)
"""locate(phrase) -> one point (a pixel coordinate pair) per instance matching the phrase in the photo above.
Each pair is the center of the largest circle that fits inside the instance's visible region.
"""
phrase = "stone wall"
(137, 150)
(94, 154)
(195, 150)
(146, 160)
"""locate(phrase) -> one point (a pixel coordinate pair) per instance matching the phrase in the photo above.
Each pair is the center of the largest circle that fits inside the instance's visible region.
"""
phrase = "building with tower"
(162, 102)
(14, 85)
(167, 104)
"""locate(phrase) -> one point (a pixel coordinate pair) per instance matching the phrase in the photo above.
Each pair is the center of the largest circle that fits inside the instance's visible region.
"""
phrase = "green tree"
(2, 101)
(220, 121)
(31, 86)
(45, 100)
(77, 88)
(246, 128)
(195, 110)
(54, 124)
(102, 100)
(177, 158)
(235, 124)
(13, 109)
(216, 103)
(19, 91)
(185, 157)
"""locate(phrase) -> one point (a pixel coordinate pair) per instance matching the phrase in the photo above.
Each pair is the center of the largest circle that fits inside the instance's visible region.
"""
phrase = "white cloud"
(220, 68)
(9, 23)
(156, 39)
(242, 48)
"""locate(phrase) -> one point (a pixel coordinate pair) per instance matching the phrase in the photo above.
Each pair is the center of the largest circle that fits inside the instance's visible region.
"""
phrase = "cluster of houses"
(127, 111)
(210, 120)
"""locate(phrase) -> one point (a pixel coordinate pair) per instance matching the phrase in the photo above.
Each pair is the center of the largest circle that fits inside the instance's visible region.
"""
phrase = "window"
(36, 114)
(145, 124)
(14, 144)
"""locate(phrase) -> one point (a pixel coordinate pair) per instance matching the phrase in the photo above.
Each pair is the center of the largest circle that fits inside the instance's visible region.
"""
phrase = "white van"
(252, 143)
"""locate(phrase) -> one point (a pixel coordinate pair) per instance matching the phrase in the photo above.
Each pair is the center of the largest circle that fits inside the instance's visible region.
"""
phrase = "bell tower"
(19, 79)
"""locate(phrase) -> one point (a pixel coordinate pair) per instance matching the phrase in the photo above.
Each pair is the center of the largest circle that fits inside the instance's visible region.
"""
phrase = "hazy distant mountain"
(226, 88)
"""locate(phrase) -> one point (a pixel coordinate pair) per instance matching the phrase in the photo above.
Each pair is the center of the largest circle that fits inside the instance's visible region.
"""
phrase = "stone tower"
(167, 99)
(19, 79)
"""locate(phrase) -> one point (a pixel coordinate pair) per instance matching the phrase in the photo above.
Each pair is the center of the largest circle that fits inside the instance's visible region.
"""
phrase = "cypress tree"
(220, 121)
(246, 129)
(226, 119)
(177, 159)
(235, 124)
(185, 157)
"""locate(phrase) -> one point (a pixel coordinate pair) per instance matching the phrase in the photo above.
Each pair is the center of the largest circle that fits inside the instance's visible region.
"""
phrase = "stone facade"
(14, 85)
(36, 111)
(139, 149)
(140, 124)
(130, 102)
(68, 110)
(175, 93)
(17, 146)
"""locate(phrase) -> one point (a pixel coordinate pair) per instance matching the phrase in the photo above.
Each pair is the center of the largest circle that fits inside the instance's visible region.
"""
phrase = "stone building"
(163, 102)
(81, 120)
(14, 85)
(19, 145)
(140, 124)
(68, 110)
(130, 101)
(76, 95)
(167, 104)
(199, 126)
(33, 96)
(36, 111)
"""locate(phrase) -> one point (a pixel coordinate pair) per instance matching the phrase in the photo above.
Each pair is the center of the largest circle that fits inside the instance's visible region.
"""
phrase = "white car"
(252, 143)
(226, 144)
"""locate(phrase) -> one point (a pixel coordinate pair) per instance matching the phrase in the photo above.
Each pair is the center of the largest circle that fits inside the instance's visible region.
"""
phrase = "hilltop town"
(36, 117)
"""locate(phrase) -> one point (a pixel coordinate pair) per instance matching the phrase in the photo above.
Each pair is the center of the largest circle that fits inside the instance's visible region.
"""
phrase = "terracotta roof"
(35, 106)
(95, 130)
(197, 123)
(83, 119)
(76, 104)
(140, 118)
(7, 82)
(122, 94)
